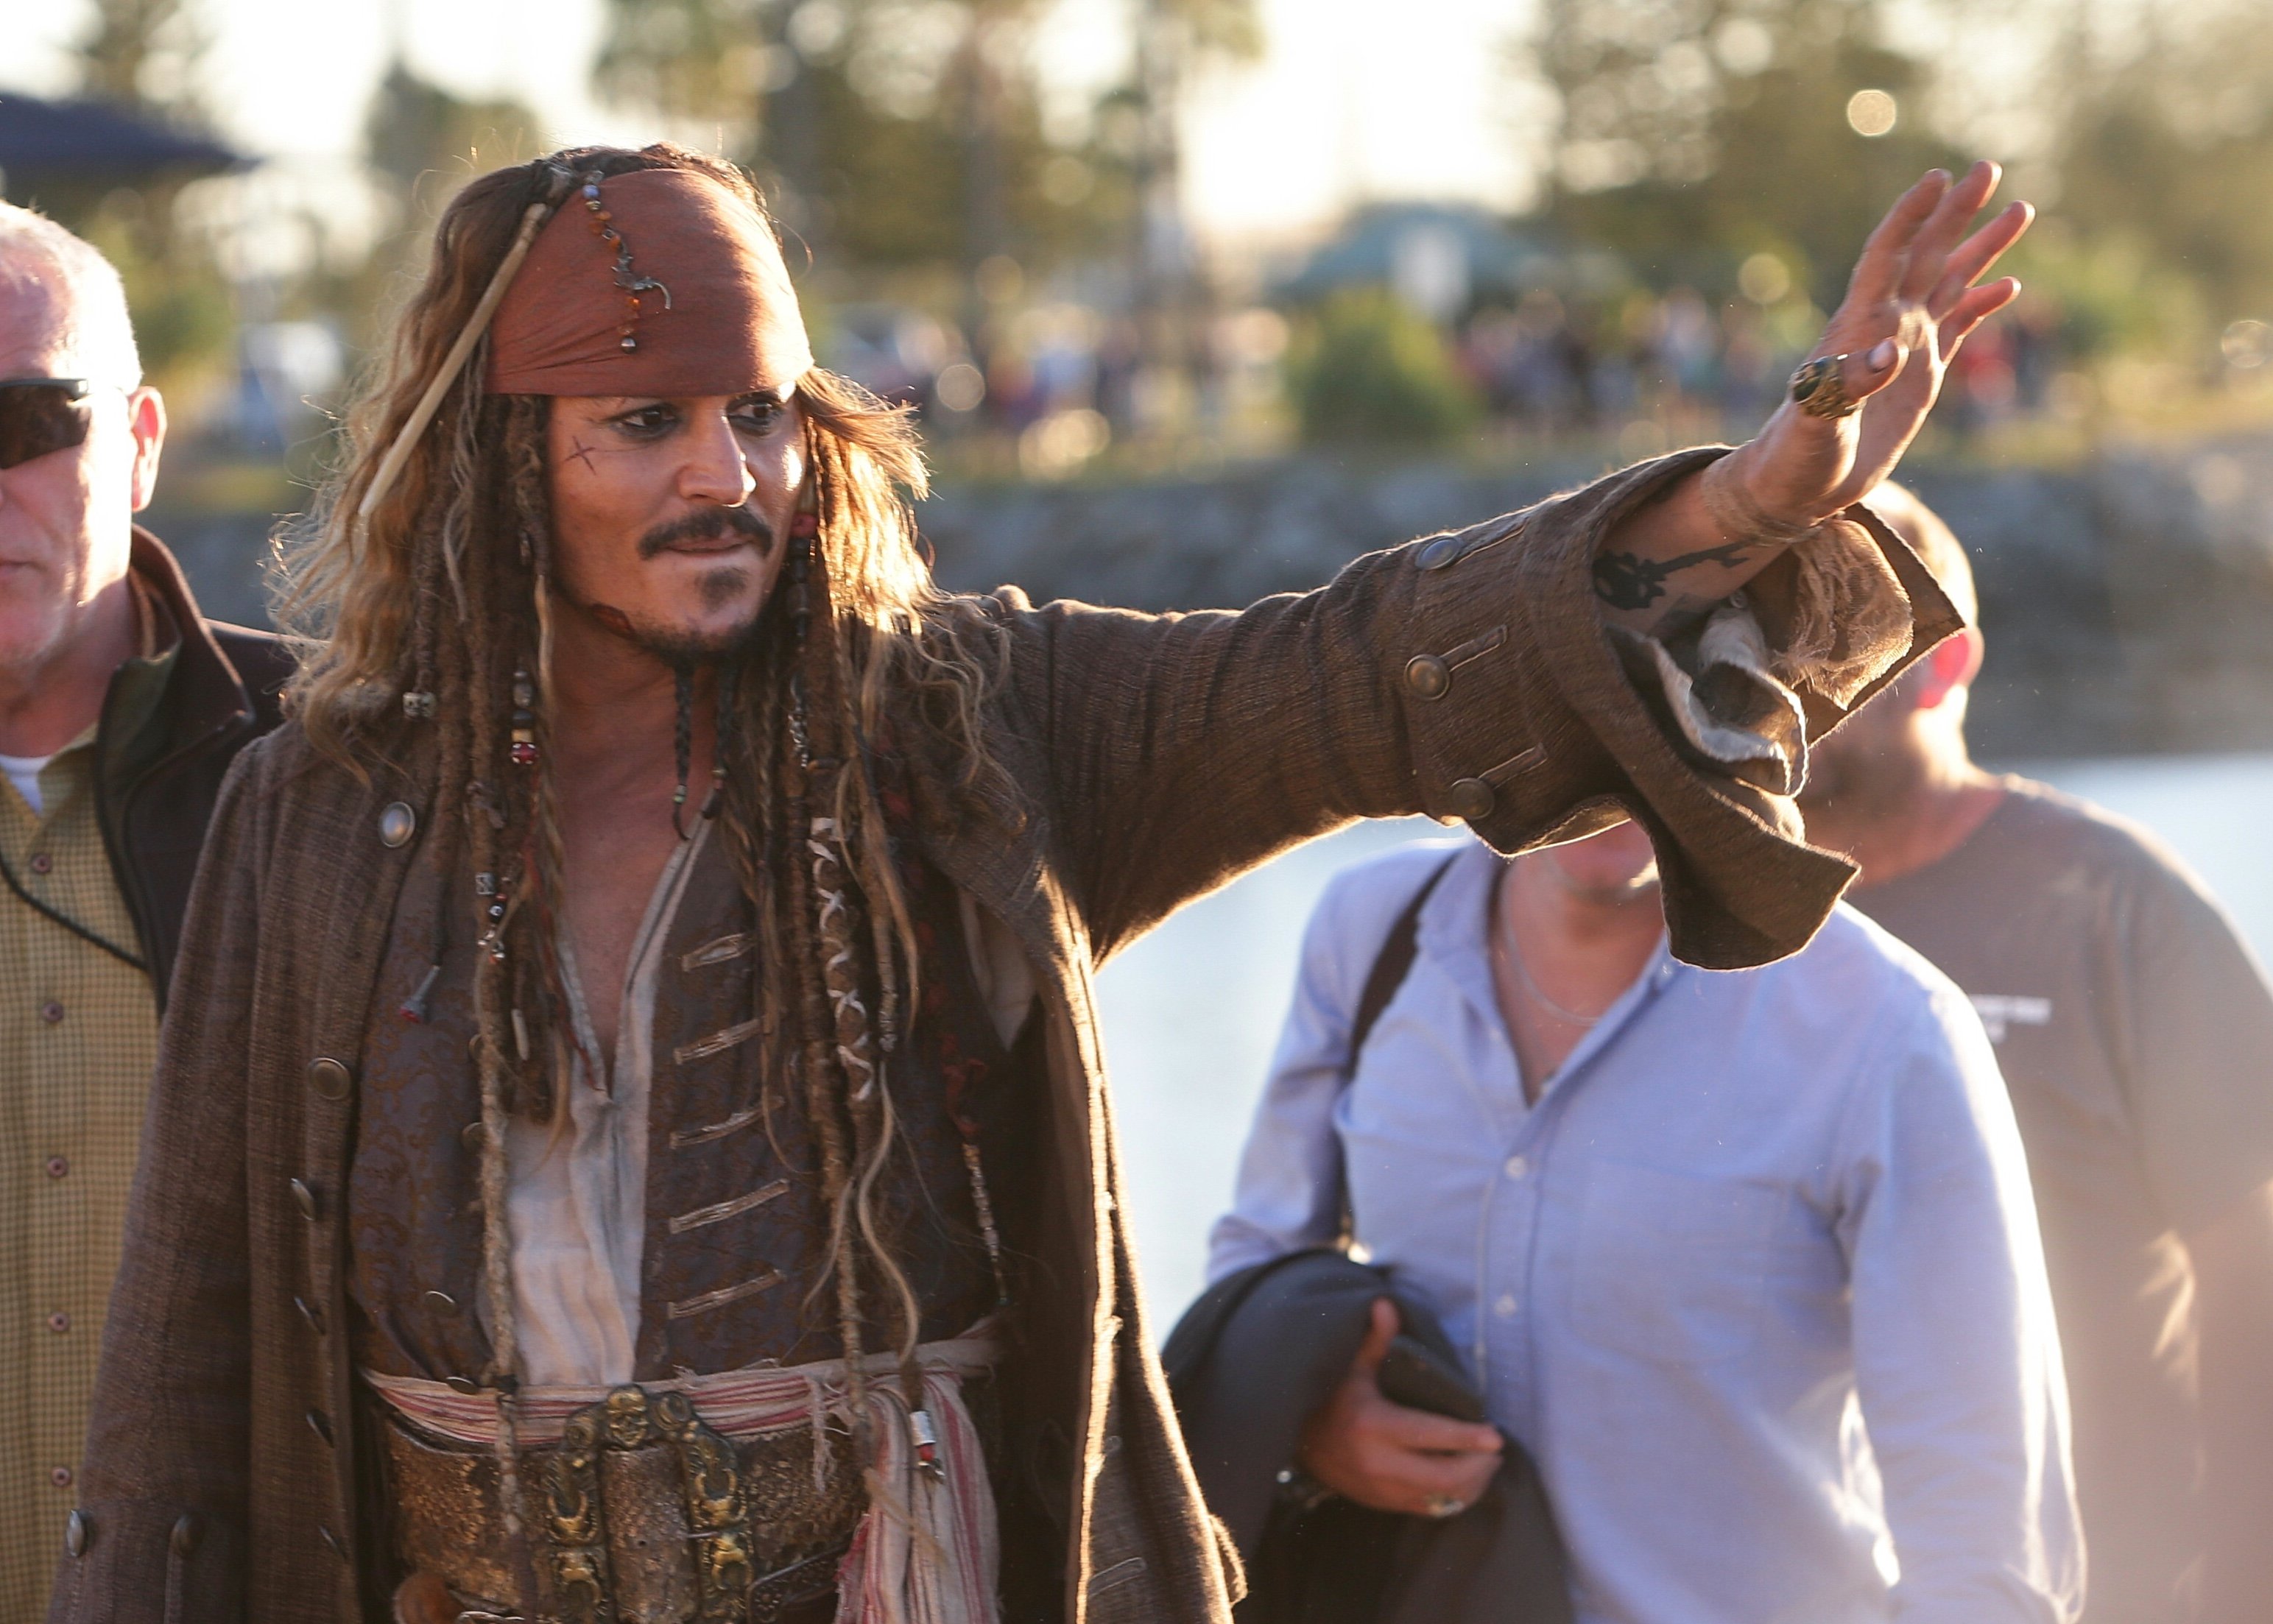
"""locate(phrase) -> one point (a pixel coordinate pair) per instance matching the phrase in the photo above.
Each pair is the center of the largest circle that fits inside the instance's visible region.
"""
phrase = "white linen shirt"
(1756, 1283)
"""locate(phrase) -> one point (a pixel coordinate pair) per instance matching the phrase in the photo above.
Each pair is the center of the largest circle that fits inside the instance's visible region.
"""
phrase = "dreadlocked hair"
(423, 626)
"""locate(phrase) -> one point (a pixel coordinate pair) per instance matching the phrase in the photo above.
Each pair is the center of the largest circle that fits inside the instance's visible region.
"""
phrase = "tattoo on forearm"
(1628, 581)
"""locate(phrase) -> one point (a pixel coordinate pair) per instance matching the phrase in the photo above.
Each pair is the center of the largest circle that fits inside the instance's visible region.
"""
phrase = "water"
(1192, 1011)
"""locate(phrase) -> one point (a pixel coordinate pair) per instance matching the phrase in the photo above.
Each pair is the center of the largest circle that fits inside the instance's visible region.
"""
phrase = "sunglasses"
(40, 414)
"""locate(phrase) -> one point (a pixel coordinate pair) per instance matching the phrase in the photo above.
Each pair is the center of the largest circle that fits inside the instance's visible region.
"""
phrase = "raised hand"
(1915, 295)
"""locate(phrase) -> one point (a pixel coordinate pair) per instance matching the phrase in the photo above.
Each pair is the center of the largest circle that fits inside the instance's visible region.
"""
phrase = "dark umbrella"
(49, 148)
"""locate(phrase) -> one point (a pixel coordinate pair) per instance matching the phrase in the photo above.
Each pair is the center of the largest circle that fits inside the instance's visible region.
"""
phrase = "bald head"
(59, 295)
(1935, 544)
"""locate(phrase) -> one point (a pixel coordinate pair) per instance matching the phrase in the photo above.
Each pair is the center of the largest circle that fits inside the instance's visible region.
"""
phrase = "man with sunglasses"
(120, 709)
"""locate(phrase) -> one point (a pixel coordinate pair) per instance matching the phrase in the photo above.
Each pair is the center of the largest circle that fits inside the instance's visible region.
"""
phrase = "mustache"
(710, 524)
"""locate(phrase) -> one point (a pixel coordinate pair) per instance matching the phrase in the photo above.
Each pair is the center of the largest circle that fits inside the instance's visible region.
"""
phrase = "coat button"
(1436, 554)
(57, 1166)
(305, 1199)
(329, 1078)
(51, 1012)
(78, 1533)
(185, 1534)
(321, 1424)
(59, 1322)
(1427, 676)
(1471, 799)
(309, 1313)
(397, 824)
(60, 1475)
(42, 863)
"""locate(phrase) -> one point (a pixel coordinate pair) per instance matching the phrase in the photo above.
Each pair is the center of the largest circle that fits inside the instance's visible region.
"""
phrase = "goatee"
(683, 649)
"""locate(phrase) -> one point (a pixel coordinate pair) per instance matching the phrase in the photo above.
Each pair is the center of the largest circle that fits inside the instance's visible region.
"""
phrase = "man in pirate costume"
(630, 1140)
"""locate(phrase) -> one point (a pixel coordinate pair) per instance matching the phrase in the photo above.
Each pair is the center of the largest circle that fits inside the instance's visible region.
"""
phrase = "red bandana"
(686, 270)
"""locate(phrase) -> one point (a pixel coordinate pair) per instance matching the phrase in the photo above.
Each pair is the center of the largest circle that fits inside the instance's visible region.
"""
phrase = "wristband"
(1737, 514)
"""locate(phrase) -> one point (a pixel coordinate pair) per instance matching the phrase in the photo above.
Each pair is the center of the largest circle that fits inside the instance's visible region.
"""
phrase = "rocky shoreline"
(2128, 601)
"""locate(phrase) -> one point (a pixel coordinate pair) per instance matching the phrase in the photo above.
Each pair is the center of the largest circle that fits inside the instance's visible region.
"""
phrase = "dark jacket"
(1249, 1365)
(1154, 758)
(156, 783)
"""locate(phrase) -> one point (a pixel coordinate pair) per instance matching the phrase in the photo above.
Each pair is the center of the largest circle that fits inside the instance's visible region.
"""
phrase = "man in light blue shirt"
(1747, 1261)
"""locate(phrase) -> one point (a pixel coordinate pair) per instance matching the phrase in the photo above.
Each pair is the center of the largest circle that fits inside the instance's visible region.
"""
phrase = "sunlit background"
(1199, 298)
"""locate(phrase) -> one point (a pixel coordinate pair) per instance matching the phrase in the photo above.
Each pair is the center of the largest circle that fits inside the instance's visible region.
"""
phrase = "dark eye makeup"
(756, 414)
(651, 420)
(654, 420)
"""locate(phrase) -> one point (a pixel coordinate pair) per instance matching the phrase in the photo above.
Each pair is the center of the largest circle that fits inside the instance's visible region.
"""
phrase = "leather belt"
(639, 1514)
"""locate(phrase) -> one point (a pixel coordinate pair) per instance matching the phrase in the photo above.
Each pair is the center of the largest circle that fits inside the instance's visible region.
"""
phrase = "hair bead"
(633, 284)
(524, 722)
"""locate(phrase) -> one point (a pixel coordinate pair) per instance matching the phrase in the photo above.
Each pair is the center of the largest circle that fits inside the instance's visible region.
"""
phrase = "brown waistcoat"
(736, 1233)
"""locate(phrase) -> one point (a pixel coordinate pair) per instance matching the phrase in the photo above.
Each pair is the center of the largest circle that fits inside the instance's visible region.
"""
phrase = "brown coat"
(155, 790)
(1159, 756)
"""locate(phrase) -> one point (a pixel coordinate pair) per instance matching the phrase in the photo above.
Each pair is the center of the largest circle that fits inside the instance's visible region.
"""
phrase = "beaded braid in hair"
(477, 695)
(501, 817)
(682, 739)
(845, 851)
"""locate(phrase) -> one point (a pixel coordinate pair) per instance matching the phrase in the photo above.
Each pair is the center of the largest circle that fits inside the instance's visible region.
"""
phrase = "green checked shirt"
(78, 1036)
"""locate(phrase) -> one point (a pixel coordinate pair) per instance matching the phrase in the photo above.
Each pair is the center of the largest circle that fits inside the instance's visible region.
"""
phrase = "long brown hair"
(423, 648)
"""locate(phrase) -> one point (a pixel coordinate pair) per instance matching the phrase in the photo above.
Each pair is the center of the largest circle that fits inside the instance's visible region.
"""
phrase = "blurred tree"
(2165, 154)
(698, 58)
(1694, 133)
(142, 54)
(1368, 371)
(415, 129)
(1174, 40)
(184, 316)
(422, 142)
(892, 133)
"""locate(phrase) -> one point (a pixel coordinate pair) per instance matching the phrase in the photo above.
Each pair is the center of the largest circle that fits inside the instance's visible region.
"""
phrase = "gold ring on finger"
(1819, 388)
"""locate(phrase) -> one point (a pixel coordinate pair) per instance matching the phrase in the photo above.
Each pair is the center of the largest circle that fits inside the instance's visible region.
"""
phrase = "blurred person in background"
(2135, 1030)
(1692, 1232)
(120, 709)
(633, 1070)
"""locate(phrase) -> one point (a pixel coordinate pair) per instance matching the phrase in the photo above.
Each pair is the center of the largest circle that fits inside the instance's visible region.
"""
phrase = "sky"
(1341, 109)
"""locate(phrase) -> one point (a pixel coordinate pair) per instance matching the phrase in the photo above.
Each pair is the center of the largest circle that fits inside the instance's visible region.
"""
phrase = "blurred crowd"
(1060, 381)
(1554, 366)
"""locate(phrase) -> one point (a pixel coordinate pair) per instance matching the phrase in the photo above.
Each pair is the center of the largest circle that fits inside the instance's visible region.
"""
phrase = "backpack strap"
(1392, 963)
(1390, 966)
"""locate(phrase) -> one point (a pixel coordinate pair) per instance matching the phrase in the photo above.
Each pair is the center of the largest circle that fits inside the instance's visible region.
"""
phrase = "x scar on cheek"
(583, 455)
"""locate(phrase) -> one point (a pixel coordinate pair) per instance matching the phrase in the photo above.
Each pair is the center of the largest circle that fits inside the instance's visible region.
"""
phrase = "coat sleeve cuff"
(1527, 722)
